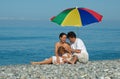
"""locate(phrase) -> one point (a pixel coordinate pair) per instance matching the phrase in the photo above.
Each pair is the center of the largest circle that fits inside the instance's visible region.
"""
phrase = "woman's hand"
(58, 60)
(65, 60)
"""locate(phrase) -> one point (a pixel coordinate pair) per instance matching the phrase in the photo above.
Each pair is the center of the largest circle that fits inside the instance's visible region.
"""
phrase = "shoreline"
(99, 69)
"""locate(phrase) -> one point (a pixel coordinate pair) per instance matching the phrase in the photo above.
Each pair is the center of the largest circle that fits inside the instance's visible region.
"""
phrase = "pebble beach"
(104, 69)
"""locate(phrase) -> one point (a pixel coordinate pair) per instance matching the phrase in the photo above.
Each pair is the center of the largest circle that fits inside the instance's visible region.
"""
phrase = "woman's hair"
(61, 50)
(61, 34)
(71, 34)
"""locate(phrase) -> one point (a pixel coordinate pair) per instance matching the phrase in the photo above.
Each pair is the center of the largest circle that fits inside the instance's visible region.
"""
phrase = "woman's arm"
(68, 49)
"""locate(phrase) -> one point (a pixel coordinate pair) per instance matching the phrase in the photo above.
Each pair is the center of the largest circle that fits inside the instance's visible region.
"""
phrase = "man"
(78, 49)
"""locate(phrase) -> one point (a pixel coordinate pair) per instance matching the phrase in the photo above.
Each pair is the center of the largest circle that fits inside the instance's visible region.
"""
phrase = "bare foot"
(34, 63)
(68, 61)
(71, 62)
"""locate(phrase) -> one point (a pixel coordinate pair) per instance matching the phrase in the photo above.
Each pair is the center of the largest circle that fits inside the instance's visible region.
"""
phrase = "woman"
(63, 56)
(62, 42)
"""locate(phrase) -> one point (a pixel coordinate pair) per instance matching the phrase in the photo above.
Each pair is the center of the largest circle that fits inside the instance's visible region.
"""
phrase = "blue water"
(25, 41)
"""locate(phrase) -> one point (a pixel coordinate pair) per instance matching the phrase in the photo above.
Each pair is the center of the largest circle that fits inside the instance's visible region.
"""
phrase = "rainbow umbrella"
(77, 17)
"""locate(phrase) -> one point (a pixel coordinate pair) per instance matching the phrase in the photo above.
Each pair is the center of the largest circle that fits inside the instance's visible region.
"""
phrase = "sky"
(45, 9)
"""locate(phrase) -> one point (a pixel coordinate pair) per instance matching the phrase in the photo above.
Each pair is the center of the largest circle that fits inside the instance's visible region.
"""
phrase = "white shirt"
(78, 44)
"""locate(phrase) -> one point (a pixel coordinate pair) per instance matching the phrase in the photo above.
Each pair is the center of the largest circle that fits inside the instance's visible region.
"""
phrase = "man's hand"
(76, 50)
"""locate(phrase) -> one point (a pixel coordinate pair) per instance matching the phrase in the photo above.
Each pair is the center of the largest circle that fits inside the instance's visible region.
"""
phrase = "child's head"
(61, 50)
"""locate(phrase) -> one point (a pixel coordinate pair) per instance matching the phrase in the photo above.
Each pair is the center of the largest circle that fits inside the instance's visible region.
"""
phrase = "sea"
(24, 41)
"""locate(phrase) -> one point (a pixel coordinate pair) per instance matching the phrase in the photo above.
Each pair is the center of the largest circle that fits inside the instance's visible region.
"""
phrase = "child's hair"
(61, 50)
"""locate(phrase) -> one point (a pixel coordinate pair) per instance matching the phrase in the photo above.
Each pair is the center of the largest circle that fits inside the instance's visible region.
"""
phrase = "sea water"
(24, 41)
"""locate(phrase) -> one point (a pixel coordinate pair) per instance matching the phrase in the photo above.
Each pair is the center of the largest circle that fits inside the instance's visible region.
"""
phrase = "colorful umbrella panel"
(77, 17)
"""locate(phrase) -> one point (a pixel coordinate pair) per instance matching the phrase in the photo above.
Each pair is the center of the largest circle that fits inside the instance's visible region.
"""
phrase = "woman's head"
(61, 50)
(63, 37)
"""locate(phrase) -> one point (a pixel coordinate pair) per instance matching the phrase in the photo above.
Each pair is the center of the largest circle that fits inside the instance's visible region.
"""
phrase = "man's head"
(71, 36)
(62, 37)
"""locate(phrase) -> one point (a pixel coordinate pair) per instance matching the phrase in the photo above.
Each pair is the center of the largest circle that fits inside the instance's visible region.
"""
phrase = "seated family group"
(67, 52)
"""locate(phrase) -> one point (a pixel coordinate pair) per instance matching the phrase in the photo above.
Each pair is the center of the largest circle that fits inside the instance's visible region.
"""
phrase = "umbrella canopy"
(76, 17)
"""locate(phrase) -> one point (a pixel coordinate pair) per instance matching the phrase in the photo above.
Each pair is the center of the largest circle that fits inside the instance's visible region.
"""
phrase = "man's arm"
(56, 48)
(79, 46)
(76, 50)
(56, 53)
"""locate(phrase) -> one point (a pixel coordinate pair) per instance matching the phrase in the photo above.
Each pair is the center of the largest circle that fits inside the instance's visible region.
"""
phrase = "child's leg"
(48, 61)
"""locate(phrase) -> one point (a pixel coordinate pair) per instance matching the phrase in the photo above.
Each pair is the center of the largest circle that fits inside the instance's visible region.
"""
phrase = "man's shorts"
(82, 57)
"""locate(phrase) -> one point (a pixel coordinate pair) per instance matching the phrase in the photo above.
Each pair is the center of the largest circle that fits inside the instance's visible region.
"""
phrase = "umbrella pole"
(77, 31)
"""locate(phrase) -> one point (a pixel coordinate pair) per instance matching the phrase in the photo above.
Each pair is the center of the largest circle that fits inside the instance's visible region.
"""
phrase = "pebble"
(107, 69)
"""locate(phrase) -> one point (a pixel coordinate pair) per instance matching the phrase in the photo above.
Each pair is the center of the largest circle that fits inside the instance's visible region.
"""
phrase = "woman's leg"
(47, 61)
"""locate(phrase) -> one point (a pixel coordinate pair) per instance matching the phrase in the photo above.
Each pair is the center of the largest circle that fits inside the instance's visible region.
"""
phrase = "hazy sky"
(45, 9)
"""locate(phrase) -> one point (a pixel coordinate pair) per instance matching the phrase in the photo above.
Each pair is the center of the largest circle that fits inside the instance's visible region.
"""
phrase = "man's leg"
(73, 60)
